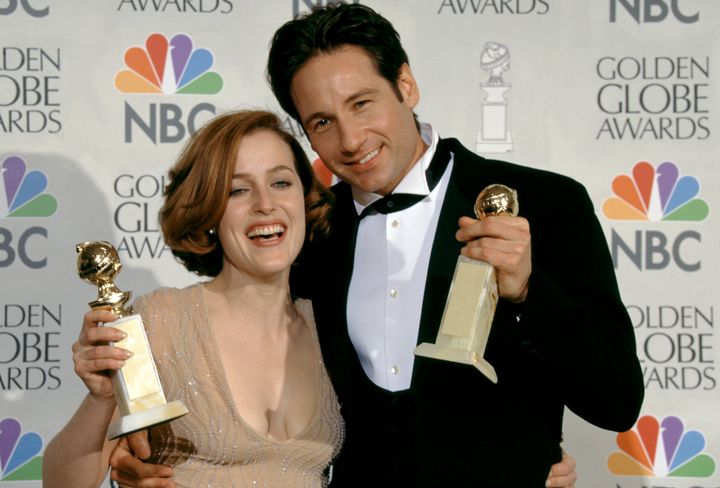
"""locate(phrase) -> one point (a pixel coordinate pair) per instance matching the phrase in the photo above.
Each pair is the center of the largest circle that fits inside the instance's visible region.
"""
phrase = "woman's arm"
(78, 455)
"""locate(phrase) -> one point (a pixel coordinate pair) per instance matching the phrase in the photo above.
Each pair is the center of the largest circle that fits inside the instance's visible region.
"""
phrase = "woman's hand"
(563, 474)
(93, 357)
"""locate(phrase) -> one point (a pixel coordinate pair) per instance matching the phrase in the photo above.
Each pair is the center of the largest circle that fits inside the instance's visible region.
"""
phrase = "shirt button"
(395, 223)
(394, 370)
(393, 293)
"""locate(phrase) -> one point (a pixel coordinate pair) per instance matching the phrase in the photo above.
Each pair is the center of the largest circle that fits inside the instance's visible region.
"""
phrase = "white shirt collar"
(414, 181)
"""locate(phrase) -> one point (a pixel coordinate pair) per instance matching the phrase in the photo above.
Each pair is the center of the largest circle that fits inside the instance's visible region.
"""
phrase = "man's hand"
(130, 471)
(504, 242)
(563, 474)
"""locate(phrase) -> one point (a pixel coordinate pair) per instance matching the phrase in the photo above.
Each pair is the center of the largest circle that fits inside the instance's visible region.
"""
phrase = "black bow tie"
(400, 201)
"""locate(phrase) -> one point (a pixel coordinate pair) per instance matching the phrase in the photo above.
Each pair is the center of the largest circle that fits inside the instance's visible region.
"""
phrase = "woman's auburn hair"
(200, 184)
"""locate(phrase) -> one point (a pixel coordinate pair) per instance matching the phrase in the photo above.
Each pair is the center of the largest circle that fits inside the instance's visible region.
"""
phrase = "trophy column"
(493, 136)
(138, 392)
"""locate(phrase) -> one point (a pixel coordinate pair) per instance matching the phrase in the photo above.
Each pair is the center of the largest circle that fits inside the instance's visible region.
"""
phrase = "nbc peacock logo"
(168, 67)
(656, 194)
(19, 452)
(661, 449)
(323, 173)
(22, 193)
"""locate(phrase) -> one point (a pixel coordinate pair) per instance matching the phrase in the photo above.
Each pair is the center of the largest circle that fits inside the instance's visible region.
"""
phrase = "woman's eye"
(237, 191)
(282, 184)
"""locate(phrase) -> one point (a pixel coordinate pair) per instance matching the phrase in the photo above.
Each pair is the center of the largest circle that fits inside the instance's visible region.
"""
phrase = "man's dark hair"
(325, 29)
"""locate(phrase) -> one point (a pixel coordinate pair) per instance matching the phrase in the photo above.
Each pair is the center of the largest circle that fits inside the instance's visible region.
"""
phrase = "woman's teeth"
(266, 231)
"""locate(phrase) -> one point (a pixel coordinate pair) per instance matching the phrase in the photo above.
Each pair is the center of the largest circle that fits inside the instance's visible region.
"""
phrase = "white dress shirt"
(392, 255)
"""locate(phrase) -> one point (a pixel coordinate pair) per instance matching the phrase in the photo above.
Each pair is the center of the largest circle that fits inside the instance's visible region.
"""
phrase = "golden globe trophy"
(138, 392)
(472, 298)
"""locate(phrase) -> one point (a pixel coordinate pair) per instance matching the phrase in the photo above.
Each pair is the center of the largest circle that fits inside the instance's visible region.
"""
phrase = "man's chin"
(362, 184)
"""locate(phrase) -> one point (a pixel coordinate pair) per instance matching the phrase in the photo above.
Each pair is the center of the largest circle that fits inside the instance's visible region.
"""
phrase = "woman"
(237, 350)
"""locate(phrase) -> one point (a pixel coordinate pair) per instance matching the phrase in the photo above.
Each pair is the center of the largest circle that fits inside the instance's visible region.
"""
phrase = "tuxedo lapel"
(330, 300)
(344, 226)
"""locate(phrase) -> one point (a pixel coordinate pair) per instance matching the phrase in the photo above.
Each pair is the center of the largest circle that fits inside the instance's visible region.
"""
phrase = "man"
(379, 283)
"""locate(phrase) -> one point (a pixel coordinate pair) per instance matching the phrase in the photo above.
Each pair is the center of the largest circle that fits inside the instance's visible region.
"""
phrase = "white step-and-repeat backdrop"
(618, 94)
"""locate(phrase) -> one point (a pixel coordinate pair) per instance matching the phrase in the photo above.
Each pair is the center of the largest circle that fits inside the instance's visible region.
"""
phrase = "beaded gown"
(212, 446)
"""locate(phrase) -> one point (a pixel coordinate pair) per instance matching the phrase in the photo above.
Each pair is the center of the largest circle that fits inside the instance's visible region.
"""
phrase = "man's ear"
(407, 86)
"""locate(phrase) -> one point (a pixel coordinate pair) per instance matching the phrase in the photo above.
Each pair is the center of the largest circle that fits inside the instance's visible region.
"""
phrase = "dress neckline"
(304, 308)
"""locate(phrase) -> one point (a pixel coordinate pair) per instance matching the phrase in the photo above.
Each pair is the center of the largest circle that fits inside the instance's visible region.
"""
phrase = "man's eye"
(321, 124)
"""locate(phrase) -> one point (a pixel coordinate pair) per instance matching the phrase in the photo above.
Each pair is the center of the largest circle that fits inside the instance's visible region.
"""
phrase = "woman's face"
(263, 227)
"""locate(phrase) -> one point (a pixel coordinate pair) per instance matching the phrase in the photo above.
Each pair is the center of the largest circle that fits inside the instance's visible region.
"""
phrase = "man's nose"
(352, 137)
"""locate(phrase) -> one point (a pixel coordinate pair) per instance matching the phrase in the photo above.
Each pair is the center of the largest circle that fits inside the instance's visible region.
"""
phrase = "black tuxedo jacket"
(573, 346)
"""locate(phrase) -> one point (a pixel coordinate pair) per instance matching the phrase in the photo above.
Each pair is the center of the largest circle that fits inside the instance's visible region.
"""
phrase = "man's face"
(354, 119)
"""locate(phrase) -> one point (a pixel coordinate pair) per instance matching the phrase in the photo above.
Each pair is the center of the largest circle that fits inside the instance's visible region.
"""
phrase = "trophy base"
(499, 145)
(147, 418)
(462, 356)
